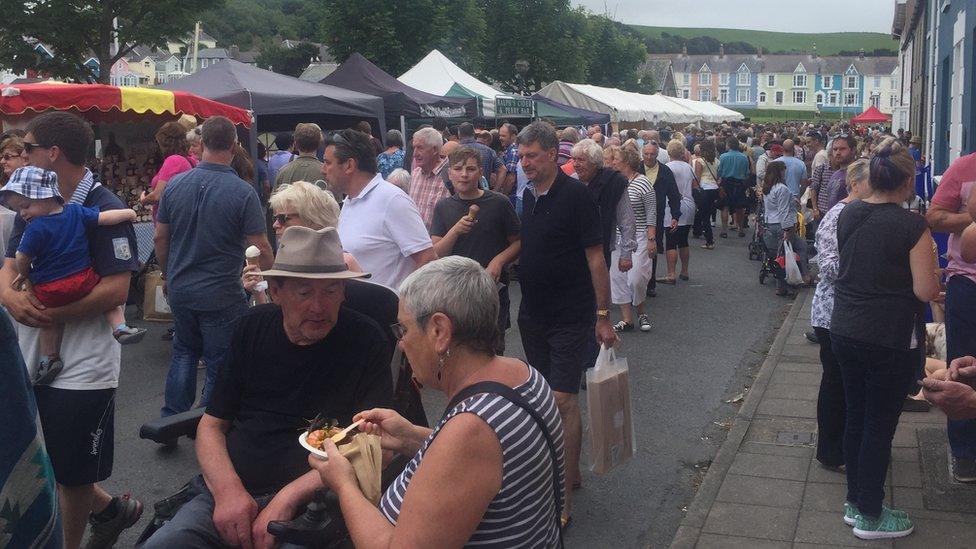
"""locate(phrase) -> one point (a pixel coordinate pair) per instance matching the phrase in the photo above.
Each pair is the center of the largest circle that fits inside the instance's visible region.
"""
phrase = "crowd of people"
(449, 219)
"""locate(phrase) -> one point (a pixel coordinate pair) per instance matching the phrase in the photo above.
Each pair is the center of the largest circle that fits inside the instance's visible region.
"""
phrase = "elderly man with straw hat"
(305, 355)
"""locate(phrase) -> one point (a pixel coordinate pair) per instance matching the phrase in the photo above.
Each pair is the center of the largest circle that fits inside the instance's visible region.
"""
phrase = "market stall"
(567, 115)
(438, 75)
(710, 112)
(403, 104)
(622, 106)
(871, 116)
(128, 117)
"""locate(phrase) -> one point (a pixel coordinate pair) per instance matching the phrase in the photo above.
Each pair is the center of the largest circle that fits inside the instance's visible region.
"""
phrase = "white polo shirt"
(382, 228)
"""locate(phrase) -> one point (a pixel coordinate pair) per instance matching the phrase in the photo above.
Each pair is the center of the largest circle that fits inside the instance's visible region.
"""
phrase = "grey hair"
(195, 135)
(590, 150)
(430, 137)
(400, 178)
(858, 172)
(459, 288)
(541, 133)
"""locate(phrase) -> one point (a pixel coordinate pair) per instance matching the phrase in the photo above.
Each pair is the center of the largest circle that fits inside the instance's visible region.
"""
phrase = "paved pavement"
(765, 489)
(710, 336)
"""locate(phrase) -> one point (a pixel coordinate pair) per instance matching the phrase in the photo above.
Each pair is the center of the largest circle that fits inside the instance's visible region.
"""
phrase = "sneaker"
(963, 469)
(623, 327)
(48, 369)
(812, 337)
(888, 525)
(127, 335)
(850, 513)
(644, 323)
(104, 533)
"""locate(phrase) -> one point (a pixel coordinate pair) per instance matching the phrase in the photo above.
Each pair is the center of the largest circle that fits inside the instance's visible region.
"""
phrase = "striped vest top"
(523, 513)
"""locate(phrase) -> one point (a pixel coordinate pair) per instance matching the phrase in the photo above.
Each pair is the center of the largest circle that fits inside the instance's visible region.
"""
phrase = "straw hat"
(307, 253)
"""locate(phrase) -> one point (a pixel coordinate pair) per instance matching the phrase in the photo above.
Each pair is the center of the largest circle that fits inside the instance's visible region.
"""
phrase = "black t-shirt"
(271, 388)
(496, 222)
(874, 300)
(553, 270)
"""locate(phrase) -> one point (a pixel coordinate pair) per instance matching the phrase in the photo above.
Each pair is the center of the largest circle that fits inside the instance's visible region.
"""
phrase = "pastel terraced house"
(788, 82)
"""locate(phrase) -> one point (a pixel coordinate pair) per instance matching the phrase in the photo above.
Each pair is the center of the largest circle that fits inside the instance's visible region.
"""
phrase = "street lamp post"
(521, 69)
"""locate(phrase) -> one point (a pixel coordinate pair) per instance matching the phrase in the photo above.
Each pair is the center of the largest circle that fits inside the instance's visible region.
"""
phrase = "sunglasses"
(28, 146)
(281, 219)
(9, 157)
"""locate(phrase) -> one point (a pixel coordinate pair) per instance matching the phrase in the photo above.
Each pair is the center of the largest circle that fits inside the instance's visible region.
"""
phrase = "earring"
(440, 362)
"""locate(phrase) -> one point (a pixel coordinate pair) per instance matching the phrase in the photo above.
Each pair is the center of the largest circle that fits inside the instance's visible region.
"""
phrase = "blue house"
(953, 27)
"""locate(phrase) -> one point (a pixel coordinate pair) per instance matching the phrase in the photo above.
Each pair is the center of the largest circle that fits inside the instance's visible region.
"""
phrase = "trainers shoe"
(623, 327)
(888, 525)
(850, 513)
(105, 533)
(48, 369)
(644, 323)
(126, 335)
(812, 337)
(963, 469)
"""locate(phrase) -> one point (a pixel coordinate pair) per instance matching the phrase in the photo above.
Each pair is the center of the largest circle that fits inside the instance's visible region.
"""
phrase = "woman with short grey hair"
(499, 442)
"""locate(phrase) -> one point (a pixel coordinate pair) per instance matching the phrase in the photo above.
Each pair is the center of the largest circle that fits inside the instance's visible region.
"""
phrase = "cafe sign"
(521, 108)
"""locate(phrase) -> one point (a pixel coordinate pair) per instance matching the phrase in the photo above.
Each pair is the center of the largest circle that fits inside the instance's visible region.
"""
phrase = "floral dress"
(387, 162)
(828, 258)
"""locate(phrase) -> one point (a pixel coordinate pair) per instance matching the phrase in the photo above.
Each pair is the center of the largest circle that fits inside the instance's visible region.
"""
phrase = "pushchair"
(760, 252)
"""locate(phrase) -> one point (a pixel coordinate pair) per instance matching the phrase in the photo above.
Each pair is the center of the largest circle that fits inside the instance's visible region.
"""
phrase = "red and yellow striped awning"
(102, 103)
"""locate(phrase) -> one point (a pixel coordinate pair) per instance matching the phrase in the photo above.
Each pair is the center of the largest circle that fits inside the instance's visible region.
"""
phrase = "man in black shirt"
(565, 283)
(491, 238)
(666, 191)
(303, 356)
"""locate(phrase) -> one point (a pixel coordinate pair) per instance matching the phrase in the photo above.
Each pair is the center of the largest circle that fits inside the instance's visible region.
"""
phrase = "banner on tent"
(514, 107)
(433, 111)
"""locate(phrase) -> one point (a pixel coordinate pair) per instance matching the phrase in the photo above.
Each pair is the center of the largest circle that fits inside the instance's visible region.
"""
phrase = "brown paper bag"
(364, 453)
(154, 304)
(610, 416)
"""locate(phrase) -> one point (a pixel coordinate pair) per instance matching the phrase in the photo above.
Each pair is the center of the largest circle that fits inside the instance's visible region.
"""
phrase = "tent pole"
(403, 126)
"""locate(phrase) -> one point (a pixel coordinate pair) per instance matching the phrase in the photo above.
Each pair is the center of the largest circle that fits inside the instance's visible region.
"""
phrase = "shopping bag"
(366, 457)
(609, 412)
(154, 305)
(793, 276)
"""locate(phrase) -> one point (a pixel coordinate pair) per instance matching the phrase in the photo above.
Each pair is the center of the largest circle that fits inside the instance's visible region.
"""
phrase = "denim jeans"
(961, 341)
(199, 334)
(831, 407)
(875, 383)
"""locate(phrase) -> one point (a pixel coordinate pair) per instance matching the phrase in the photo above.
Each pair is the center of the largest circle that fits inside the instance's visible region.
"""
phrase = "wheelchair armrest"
(165, 430)
(320, 526)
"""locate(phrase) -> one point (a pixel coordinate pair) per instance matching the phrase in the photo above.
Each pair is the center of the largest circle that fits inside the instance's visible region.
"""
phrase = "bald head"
(448, 148)
(789, 148)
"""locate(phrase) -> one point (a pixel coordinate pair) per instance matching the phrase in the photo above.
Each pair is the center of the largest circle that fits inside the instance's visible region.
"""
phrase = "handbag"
(793, 275)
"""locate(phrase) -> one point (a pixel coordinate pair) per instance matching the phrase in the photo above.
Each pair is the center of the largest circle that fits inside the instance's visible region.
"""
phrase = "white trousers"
(630, 287)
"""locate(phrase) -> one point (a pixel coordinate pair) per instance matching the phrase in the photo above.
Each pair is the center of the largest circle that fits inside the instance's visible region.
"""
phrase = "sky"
(770, 15)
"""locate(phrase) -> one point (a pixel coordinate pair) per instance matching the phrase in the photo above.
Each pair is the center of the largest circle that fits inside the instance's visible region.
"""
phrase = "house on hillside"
(184, 46)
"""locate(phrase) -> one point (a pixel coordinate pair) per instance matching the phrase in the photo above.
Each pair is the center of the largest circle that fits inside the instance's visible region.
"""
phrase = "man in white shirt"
(379, 224)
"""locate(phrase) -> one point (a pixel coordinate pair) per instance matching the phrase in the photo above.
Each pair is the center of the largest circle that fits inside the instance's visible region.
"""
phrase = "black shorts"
(79, 431)
(735, 193)
(559, 352)
(678, 238)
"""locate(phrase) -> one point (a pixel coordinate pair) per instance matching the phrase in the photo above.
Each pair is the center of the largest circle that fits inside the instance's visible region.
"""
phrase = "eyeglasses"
(9, 157)
(281, 219)
(28, 146)
(399, 330)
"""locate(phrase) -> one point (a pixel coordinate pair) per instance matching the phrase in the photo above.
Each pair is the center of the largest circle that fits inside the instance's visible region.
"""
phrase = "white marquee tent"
(624, 106)
(438, 75)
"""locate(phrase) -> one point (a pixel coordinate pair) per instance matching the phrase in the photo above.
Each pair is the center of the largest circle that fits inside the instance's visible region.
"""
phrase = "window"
(742, 95)
(203, 63)
(705, 79)
(723, 95)
(705, 95)
(771, 80)
(851, 82)
(891, 100)
(743, 78)
(820, 98)
(685, 93)
(850, 99)
(686, 79)
(145, 64)
(832, 98)
(827, 82)
(779, 98)
(799, 80)
(876, 101)
(723, 79)
(762, 97)
(877, 81)
(799, 97)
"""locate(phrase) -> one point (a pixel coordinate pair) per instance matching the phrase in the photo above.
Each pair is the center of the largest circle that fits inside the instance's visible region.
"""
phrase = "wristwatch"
(603, 313)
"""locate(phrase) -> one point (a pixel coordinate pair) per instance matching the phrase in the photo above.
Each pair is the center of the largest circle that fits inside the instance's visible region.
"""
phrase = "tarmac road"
(709, 335)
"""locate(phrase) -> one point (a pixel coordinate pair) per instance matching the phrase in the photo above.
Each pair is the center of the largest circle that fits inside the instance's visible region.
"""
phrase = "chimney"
(684, 50)
(721, 50)
(760, 52)
(815, 55)
(234, 52)
(861, 54)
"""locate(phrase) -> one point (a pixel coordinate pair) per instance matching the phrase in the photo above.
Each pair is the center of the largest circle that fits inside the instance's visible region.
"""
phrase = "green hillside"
(771, 42)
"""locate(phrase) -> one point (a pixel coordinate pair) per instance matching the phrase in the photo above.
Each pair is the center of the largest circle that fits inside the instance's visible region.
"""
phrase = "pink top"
(173, 164)
(953, 194)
